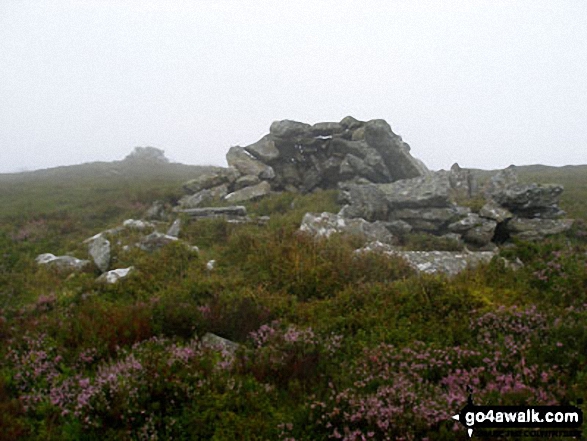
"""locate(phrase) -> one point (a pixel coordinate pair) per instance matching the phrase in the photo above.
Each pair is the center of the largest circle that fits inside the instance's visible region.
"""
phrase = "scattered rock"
(231, 212)
(155, 241)
(99, 251)
(137, 224)
(326, 224)
(249, 193)
(175, 228)
(156, 211)
(62, 263)
(219, 343)
(115, 275)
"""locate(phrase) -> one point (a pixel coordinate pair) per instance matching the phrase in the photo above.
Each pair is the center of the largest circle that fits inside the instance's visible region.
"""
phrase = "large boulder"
(536, 229)
(288, 129)
(364, 201)
(326, 224)
(209, 180)
(99, 251)
(474, 229)
(113, 276)
(395, 152)
(263, 188)
(238, 158)
(434, 262)
(432, 190)
(155, 241)
(62, 263)
(204, 197)
(531, 200)
(264, 150)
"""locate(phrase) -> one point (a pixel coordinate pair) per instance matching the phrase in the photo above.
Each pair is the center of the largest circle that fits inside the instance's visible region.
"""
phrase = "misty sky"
(485, 83)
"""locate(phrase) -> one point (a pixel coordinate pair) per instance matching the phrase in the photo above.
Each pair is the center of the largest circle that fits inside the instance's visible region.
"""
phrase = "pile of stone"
(300, 157)
(430, 204)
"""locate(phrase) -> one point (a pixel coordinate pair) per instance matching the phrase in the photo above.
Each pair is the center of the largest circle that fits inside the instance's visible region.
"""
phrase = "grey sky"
(484, 83)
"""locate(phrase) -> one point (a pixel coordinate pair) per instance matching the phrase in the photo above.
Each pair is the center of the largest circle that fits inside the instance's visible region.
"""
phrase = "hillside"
(282, 337)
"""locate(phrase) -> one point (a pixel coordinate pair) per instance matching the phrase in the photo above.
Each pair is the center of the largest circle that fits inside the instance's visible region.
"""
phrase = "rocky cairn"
(386, 193)
(302, 158)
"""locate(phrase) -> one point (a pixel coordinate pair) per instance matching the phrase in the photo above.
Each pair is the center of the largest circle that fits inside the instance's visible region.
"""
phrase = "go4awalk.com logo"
(539, 421)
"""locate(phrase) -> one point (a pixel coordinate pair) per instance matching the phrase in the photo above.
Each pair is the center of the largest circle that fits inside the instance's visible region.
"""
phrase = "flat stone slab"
(212, 212)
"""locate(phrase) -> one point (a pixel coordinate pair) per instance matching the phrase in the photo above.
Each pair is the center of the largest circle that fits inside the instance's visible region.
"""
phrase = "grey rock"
(264, 149)
(175, 228)
(325, 224)
(395, 152)
(156, 211)
(450, 263)
(350, 123)
(475, 229)
(531, 200)
(238, 158)
(463, 182)
(245, 181)
(115, 275)
(326, 128)
(358, 134)
(137, 224)
(99, 251)
(62, 263)
(364, 201)
(249, 193)
(234, 211)
(491, 210)
(219, 343)
(288, 128)
(205, 196)
(209, 180)
(432, 190)
(155, 241)
(397, 227)
(537, 229)
(501, 180)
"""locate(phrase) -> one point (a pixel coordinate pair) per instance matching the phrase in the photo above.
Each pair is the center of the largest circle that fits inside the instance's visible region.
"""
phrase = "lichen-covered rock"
(364, 201)
(492, 210)
(99, 251)
(436, 262)
(288, 128)
(326, 224)
(463, 182)
(62, 263)
(249, 193)
(536, 229)
(115, 275)
(204, 197)
(264, 149)
(175, 228)
(209, 180)
(231, 212)
(155, 241)
(474, 229)
(238, 158)
(137, 224)
(432, 190)
(531, 200)
(245, 181)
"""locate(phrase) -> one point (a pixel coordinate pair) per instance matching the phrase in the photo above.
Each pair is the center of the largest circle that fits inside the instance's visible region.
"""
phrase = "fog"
(485, 83)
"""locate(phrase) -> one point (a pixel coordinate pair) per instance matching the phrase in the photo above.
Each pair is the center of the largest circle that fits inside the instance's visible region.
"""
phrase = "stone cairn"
(379, 182)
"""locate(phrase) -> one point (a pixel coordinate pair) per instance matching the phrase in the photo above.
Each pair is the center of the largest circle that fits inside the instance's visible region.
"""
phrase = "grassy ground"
(331, 344)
